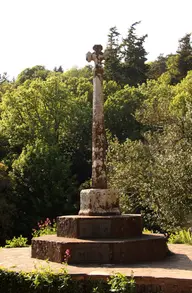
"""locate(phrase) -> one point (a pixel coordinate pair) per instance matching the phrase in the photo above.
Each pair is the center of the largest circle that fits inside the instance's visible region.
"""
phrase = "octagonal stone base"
(105, 251)
(91, 227)
(94, 202)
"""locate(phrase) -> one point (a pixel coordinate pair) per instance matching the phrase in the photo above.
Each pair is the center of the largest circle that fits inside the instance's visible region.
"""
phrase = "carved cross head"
(97, 56)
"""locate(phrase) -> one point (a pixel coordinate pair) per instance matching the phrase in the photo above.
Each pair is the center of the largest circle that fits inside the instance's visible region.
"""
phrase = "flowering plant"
(67, 256)
(45, 228)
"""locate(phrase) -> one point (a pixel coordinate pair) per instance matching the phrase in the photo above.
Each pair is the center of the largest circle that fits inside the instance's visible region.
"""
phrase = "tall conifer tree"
(112, 62)
(134, 56)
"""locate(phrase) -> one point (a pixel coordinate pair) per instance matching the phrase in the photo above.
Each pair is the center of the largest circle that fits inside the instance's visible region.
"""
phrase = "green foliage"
(112, 62)
(45, 228)
(147, 231)
(45, 277)
(172, 64)
(154, 112)
(185, 55)
(125, 61)
(45, 280)
(3, 78)
(16, 242)
(59, 69)
(42, 280)
(40, 120)
(42, 179)
(181, 237)
(153, 179)
(34, 72)
(45, 136)
(5, 85)
(120, 283)
(134, 57)
(176, 66)
(157, 67)
(37, 109)
(100, 287)
(154, 175)
(119, 113)
(110, 88)
(85, 72)
(7, 204)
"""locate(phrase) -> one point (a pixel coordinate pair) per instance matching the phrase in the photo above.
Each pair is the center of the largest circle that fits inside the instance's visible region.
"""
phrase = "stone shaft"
(99, 144)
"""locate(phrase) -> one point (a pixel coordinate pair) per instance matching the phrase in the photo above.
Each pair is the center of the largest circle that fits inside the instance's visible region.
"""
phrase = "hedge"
(46, 281)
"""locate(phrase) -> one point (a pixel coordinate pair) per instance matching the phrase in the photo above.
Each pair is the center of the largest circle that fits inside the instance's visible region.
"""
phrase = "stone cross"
(99, 142)
(98, 200)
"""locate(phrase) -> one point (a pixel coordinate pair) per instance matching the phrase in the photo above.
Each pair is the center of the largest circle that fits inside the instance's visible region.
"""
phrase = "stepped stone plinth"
(100, 251)
(100, 240)
(91, 227)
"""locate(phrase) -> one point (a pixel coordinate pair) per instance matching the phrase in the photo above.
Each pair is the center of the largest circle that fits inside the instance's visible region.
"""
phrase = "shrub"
(44, 280)
(181, 237)
(16, 242)
(120, 283)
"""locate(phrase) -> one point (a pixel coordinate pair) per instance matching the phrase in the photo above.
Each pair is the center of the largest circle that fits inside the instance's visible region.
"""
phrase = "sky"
(61, 32)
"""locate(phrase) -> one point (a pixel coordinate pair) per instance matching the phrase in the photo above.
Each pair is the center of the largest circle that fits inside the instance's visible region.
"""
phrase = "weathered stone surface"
(47, 250)
(99, 142)
(95, 202)
(138, 249)
(91, 227)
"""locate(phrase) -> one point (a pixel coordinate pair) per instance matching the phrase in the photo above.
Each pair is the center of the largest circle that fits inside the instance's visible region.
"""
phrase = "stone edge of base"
(100, 216)
(90, 212)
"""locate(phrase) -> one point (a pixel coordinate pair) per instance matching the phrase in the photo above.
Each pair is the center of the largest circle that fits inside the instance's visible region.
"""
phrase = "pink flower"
(67, 252)
(67, 255)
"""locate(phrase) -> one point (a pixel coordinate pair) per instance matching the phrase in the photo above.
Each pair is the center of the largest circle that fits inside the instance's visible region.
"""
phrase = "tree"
(172, 64)
(59, 69)
(34, 72)
(185, 55)
(43, 185)
(110, 88)
(157, 67)
(119, 113)
(85, 72)
(7, 205)
(4, 78)
(5, 84)
(112, 62)
(154, 179)
(36, 109)
(154, 111)
(134, 56)
(47, 126)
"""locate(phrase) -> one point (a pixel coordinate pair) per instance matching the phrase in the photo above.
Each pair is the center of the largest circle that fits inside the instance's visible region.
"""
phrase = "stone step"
(92, 227)
(148, 247)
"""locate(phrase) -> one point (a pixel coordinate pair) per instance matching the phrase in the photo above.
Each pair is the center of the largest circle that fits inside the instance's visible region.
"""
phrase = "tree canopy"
(45, 136)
